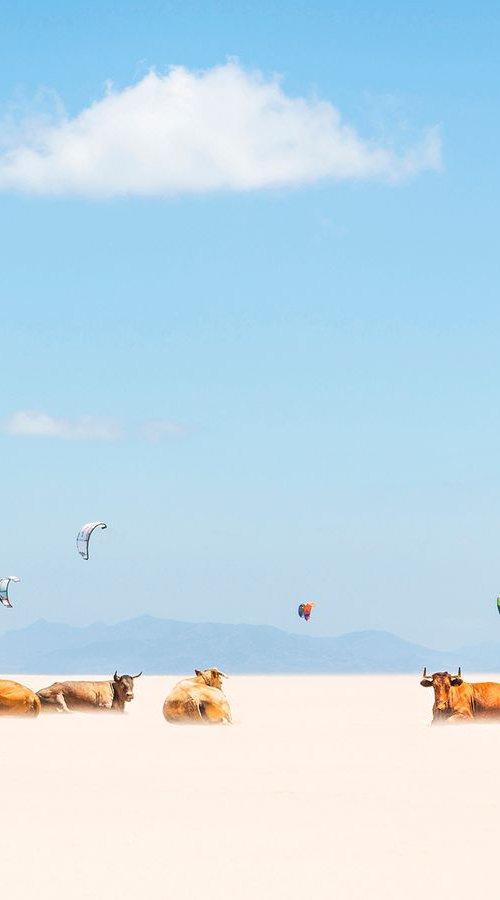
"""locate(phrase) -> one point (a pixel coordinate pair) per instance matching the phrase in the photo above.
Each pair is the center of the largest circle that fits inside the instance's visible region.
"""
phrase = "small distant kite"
(83, 537)
(4, 589)
(498, 603)
(305, 609)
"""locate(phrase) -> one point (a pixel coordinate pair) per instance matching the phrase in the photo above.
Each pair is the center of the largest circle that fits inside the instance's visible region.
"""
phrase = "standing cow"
(17, 700)
(456, 700)
(198, 700)
(87, 696)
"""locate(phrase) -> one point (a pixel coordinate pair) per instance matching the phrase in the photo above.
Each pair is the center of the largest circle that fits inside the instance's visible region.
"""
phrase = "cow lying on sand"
(17, 700)
(456, 700)
(86, 696)
(198, 700)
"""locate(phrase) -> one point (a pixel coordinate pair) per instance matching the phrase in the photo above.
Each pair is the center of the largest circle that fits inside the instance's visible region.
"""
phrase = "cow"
(198, 700)
(86, 696)
(17, 700)
(456, 700)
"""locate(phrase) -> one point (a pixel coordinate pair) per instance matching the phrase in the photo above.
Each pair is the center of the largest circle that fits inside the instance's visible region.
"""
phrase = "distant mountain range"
(162, 646)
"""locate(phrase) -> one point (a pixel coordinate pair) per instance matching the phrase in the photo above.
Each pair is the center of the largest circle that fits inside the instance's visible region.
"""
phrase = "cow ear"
(197, 672)
(426, 682)
(456, 682)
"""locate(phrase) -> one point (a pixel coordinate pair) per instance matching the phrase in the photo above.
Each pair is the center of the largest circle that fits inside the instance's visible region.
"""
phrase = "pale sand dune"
(328, 787)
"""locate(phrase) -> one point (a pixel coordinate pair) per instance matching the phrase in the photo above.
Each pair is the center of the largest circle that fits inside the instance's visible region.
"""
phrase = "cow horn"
(137, 676)
(425, 675)
(115, 676)
(459, 672)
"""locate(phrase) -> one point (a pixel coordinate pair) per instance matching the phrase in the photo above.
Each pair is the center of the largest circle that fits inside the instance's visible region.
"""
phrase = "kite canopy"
(83, 537)
(498, 604)
(4, 589)
(304, 610)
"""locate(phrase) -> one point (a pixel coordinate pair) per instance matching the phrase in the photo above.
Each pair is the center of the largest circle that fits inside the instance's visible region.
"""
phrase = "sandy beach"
(326, 786)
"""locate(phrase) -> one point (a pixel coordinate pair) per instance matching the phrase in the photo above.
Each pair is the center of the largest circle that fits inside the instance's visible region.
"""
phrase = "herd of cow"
(199, 699)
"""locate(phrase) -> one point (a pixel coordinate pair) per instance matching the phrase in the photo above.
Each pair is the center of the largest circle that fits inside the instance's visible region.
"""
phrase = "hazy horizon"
(306, 632)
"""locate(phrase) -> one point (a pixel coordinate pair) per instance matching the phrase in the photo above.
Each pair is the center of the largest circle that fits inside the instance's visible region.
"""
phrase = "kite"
(305, 609)
(83, 537)
(498, 604)
(4, 589)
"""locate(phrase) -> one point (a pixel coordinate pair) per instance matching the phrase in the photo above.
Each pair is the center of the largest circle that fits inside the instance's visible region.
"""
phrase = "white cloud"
(157, 429)
(187, 132)
(33, 423)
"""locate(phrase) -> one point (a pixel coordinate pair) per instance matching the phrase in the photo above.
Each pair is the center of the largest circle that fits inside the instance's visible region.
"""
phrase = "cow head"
(442, 682)
(212, 677)
(123, 686)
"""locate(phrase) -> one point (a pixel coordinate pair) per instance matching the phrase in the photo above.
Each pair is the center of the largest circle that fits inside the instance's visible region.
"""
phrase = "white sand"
(328, 787)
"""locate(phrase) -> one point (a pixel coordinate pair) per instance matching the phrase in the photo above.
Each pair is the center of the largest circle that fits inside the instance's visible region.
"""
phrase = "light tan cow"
(199, 700)
(17, 700)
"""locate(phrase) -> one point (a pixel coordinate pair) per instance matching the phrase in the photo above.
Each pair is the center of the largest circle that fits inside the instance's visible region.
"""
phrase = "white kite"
(4, 589)
(83, 537)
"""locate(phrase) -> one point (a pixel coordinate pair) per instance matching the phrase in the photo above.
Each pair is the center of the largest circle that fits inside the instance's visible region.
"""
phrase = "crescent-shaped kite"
(83, 537)
(4, 589)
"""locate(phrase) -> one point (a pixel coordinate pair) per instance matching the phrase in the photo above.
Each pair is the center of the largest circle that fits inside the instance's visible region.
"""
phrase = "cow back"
(18, 700)
(486, 698)
(475, 700)
(88, 694)
(82, 695)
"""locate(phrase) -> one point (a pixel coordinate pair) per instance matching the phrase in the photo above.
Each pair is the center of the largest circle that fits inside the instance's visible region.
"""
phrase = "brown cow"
(456, 700)
(17, 700)
(199, 700)
(86, 696)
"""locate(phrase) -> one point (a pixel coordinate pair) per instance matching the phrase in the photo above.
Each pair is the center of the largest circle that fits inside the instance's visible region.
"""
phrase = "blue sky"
(321, 354)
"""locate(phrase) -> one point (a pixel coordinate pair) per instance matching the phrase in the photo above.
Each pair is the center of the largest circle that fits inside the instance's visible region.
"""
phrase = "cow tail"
(196, 708)
(203, 712)
(34, 706)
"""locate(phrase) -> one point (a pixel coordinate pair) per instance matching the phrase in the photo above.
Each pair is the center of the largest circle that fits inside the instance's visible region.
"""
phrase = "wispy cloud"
(31, 423)
(158, 429)
(34, 423)
(185, 132)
